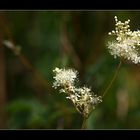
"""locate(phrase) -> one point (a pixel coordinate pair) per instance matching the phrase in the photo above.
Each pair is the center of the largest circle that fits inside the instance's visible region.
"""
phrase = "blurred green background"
(71, 39)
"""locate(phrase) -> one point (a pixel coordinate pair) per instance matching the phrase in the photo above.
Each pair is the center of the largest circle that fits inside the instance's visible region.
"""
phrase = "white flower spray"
(127, 43)
(83, 98)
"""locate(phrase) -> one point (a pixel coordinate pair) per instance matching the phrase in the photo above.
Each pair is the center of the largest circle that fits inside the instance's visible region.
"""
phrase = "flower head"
(87, 100)
(64, 77)
(83, 98)
(127, 43)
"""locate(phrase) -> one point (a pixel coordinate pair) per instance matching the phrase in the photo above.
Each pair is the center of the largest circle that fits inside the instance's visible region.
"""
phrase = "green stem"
(106, 90)
(84, 123)
(114, 77)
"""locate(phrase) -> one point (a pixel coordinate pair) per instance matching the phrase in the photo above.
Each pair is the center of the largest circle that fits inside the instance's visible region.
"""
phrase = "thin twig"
(114, 77)
(108, 87)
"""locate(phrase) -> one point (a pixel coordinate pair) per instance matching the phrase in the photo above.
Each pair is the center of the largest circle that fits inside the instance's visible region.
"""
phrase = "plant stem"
(84, 123)
(106, 90)
(114, 77)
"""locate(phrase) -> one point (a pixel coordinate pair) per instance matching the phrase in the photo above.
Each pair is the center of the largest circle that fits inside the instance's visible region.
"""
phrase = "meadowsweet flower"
(64, 77)
(83, 98)
(127, 42)
(87, 100)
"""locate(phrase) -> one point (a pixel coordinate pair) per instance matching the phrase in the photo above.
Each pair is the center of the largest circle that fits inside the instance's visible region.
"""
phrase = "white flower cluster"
(127, 43)
(83, 98)
(86, 100)
(64, 77)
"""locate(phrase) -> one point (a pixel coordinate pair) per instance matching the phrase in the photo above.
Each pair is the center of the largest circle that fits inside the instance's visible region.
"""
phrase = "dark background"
(71, 39)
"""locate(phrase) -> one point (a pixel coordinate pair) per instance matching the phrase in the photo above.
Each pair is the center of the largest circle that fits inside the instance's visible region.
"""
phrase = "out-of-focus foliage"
(75, 39)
